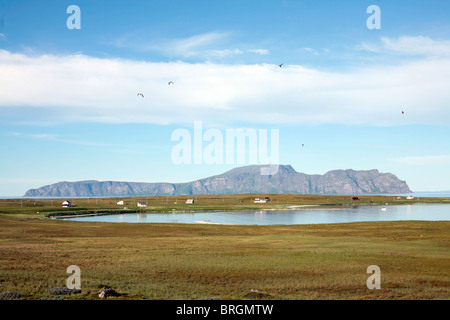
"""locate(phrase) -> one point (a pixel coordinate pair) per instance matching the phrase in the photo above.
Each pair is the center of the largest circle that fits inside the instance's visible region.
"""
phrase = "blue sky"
(69, 108)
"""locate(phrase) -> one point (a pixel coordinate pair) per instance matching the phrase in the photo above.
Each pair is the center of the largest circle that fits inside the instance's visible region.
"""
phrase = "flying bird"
(170, 82)
(280, 65)
(140, 94)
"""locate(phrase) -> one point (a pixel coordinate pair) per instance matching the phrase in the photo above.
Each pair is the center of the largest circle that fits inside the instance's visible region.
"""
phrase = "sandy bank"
(209, 222)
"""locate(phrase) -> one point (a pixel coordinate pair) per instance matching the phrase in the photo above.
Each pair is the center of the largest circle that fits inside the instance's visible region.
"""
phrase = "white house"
(121, 203)
(258, 200)
(66, 204)
(142, 204)
(409, 197)
(190, 201)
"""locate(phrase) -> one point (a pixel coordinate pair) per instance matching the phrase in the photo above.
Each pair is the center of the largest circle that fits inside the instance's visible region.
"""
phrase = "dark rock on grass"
(63, 291)
(106, 292)
(10, 295)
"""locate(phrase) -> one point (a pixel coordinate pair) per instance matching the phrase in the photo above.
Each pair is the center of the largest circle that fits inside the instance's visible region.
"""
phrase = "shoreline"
(215, 223)
(289, 208)
(293, 208)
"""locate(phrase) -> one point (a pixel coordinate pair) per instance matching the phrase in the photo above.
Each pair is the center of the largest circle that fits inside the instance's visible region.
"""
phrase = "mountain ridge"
(246, 179)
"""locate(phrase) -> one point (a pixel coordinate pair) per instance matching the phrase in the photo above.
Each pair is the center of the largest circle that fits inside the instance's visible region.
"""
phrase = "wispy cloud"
(194, 43)
(260, 51)
(21, 181)
(223, 53)
(409, 45)
(119, 148)
(309, 50)
(423, 160)
(59, 138)
(44, 136)
(12, 134)
(205, 45)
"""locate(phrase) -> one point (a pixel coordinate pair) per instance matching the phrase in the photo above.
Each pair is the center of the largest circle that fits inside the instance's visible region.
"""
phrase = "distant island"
(247, 179)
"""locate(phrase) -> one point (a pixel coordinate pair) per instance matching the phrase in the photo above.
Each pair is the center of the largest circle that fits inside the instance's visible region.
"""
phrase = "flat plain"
(200, 261)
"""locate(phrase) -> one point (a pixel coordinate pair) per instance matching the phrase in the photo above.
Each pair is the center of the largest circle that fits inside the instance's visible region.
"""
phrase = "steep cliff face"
(239, 180)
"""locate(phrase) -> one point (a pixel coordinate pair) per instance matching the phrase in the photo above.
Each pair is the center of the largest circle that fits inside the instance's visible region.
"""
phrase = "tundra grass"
(182, 261)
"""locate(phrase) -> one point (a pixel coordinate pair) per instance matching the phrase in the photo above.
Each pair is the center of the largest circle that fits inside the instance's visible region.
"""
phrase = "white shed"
(66, 204)
(121, 203)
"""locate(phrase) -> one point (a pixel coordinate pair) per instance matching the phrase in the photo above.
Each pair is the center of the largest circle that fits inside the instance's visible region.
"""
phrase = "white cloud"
(201, 45)
(189, 45)
(409, 45)
(82, 88)
(310, 50)
(260, 51)
(223, 53)
(423, 160)
(44, 136)
(417, 45)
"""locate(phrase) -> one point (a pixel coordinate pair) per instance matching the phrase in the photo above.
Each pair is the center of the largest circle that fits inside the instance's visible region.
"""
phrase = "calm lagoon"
(306, 215)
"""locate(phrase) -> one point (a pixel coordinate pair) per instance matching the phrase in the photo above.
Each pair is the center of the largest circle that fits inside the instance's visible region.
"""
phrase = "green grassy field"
(178, 261)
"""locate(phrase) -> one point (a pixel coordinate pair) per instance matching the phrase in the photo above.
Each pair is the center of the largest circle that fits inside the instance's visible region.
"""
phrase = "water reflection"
(409, 210)
(316, 215)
